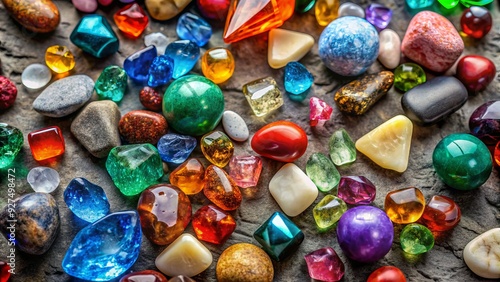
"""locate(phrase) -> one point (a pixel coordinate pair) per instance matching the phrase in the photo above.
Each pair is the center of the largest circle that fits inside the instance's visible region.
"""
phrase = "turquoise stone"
(185, 54)
(342, 148)
(111, 84)
(297, 78)
(462, 161)
(416, 239)
(279, 236)
(11, 142)
(105, 249)
(322, 172)
(419, 4)
(94, 35)
(133, 168)
(193, 105)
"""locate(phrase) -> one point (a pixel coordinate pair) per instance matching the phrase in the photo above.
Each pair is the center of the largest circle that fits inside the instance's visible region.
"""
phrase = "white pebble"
(482, 254)
(235, 126)
(351, 9)
(159, 40)
(36, 76)
(43, 179)
(389, 52)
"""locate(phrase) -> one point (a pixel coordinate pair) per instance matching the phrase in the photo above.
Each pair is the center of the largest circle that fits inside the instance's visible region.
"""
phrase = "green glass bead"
(322, 172)
(111, 84)
(303, 6)
(342, 148)
(416, 239)
(468, 3)
(328, 211)
(448, 4)
(408, 75)
(11, 142)
(133, 168)
(462, 161)
(193, 105)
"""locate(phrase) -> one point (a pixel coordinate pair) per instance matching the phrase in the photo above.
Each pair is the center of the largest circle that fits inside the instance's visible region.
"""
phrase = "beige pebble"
(244, 262)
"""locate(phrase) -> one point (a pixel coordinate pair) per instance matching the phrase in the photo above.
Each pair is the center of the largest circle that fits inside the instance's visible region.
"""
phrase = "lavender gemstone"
(378, 15)
(356, 190)
(484, 123)
(365, 233)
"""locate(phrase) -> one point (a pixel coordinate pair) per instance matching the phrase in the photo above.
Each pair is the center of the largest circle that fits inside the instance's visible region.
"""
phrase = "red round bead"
(8, 93)
(475, 72)
(150, 99)
(387, 273)
(214, 9)
(476, 22)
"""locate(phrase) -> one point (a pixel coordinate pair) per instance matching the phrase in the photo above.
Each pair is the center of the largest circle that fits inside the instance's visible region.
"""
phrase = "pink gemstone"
(356, 190)
(325, 265)
(85, 6)
(105, 2)
(245, 170)
(320, 112)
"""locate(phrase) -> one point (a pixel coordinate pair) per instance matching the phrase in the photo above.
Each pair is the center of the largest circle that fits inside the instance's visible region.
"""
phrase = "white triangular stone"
(388, 145)
(287, 46)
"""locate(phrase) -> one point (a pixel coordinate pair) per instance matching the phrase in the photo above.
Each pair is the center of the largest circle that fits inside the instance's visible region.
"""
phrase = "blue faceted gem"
(194, 28)
(175, 148)
(86, 200)
(94, 35)
(160, 71)
(185, 54)
(279, 236)
(137, 65)
(297, 78)
(106, 248)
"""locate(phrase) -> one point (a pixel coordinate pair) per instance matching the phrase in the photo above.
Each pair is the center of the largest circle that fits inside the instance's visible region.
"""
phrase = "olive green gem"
(328, 211)
(416, 239)
(408, 75)
(322, 172)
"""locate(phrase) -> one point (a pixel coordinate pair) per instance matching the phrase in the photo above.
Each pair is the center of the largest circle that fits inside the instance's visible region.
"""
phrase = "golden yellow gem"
(326, 11)
(217, 64)
(59, 59)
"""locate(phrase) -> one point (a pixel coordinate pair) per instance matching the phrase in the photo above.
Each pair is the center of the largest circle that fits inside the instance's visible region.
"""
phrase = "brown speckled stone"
(34, 15)
(244, 262)
(142, 127)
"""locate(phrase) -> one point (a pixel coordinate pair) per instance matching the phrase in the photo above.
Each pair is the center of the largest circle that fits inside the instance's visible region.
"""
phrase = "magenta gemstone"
(325, 265)
(356, 190)
(245, 170)
(85, 6)
(476, 72)
(378, 15)
(484, 123)
(320, 112)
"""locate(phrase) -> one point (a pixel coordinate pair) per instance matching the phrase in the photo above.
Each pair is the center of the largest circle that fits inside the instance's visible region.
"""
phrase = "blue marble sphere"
(349, 45)
(86, 200)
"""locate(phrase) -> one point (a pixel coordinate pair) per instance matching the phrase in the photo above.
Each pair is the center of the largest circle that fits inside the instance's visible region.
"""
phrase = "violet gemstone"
(356, 190)
(325, 265)
(378, 15)
(365, 233)
(484, 123)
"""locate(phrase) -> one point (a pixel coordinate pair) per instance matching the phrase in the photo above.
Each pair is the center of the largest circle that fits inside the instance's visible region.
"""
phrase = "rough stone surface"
(443, 263)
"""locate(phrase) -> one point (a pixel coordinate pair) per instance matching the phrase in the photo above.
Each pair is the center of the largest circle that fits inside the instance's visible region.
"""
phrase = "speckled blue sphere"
(349, 45)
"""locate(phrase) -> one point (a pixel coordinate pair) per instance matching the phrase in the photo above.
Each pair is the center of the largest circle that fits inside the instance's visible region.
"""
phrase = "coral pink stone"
(475, 72)
(356, 190)
(320, 112)
(245, 170)
(432, 41)
(85, 6)
(325, 265)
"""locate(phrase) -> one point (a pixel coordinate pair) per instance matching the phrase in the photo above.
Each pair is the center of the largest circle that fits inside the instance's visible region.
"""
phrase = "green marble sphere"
(462, 161)
(193, 105)
(416, 239)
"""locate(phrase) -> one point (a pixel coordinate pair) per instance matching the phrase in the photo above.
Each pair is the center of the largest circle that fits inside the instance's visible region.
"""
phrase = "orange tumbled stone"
(189, 176)
(46, 143)
(165, 211)
(213, 225)
(441, 214)
(131, 20)
(404, 206)
(221, 189)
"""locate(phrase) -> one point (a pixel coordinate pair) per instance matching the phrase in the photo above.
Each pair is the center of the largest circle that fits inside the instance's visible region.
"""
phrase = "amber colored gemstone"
(131, 20)
(59, 59)
(165, 211)
(441, 214)
(189, 176)
(212, 224)
(144, 276)
(404, 206)
(221, 189)
(217, 148)
(46, 143)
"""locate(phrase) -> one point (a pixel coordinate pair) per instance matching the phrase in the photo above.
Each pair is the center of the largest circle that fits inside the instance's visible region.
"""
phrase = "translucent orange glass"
(46, 143)
(405, 205)
(189, 176)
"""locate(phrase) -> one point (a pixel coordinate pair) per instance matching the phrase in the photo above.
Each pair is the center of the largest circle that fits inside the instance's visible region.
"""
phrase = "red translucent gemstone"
(46, 143)
(387, 274)
(476, 22)
(131, 20)
(282, 141)
(212, 224)
(144, 276)
(4, 271)
(497, 154)
(475, 72)
(440, 214)
(150, 99)
(325, 265)
(214, 9)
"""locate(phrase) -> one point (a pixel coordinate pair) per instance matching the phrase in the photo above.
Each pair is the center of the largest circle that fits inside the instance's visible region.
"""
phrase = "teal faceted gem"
(416, 239)
(111, 84)
(342, 148)
(462, 161)
(193, 105)
(303, 6)
(94, 35)
(106, 248)
(133, 168)
(279, 236)
(11, 142)
(322, 172)
(419, 4)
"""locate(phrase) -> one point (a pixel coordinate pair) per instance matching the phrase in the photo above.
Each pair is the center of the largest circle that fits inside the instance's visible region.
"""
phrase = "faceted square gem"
(131, 20)
(263, 95)
(356, 190)
(212, 224)
(46, 143)
(245, 170)
(279, 236)
(325, 265)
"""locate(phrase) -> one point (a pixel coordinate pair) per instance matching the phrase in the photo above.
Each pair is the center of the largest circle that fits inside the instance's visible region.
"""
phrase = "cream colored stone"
(292, 189)
(235, 126)
(184, 256)
(388, 145)
(165, 9)
(287, 46)
(389, 52)
(482, 254)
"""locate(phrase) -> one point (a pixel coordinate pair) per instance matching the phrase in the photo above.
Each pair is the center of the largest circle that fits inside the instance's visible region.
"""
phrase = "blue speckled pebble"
(349, 45)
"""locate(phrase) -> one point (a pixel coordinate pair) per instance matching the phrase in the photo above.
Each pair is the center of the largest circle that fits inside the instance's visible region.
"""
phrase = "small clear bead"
(43, 179)
(36, 76)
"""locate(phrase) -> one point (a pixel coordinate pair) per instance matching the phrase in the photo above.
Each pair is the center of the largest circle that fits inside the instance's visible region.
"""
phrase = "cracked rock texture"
(480, 208)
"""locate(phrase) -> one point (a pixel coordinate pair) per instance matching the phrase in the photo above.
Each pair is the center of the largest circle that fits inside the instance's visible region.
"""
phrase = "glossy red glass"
(46, 143)
(476, 72)
(440, 214)
(387, 273)
(476, 22)
(213, 225)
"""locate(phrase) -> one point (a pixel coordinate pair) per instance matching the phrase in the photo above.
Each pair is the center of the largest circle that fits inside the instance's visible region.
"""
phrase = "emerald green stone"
(111, 84)
(342, 148)
(303, 6)
(133, 168)
(468, 3)
(193, 105)
(416, 239)
(11, 142)
(448, 4)
(322, 172)
(462, 161)
(408, 75)
(328, 211)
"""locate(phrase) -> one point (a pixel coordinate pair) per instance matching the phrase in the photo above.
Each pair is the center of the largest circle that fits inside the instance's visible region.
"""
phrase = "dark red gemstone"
(150, 99)
(476, 22)
(484, 123)
(475, 72)
(4, 271)
(144, 276)
(214, 9)
(440, 214)
(8, 93)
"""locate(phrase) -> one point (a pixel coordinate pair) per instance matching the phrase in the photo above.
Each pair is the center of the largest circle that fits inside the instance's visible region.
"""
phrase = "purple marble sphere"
(484, 123)
(365, 233)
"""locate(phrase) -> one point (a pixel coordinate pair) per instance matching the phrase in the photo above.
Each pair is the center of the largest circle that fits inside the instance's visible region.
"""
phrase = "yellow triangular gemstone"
(388, 145)
(286, 46)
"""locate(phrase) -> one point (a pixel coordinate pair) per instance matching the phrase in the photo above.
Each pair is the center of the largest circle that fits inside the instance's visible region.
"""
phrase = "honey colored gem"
(217, 148)
(217, 64)
(221, 189)
(59, 59)
(326, 11)
(404, 206)
(189, 176)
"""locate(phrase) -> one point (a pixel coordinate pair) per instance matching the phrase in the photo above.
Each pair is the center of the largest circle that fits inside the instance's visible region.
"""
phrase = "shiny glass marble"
(86, 200)
(213, 225)
(476, 22)
(416, 239)
(341, 148)
(36, 76)
(297, 79)
(43, 179)
(185, 54)
(131, 20)
(194, 28)
(217, 64)
(484, 123)
(356, 190)
(111, 84)
(440, 214)
(475, 72)
(221, 189)
(325, 265)
(59, 59)
(378, 15)
(387, 273)
(46, 143)
(245, 170)
(328, 211)
(405, 205)
(94, 35)
(161, 71)
(176, 148)
(11, 142)
(322, 172)
(408, 75)
(137, 65)
(189, 176)
(263, 96)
